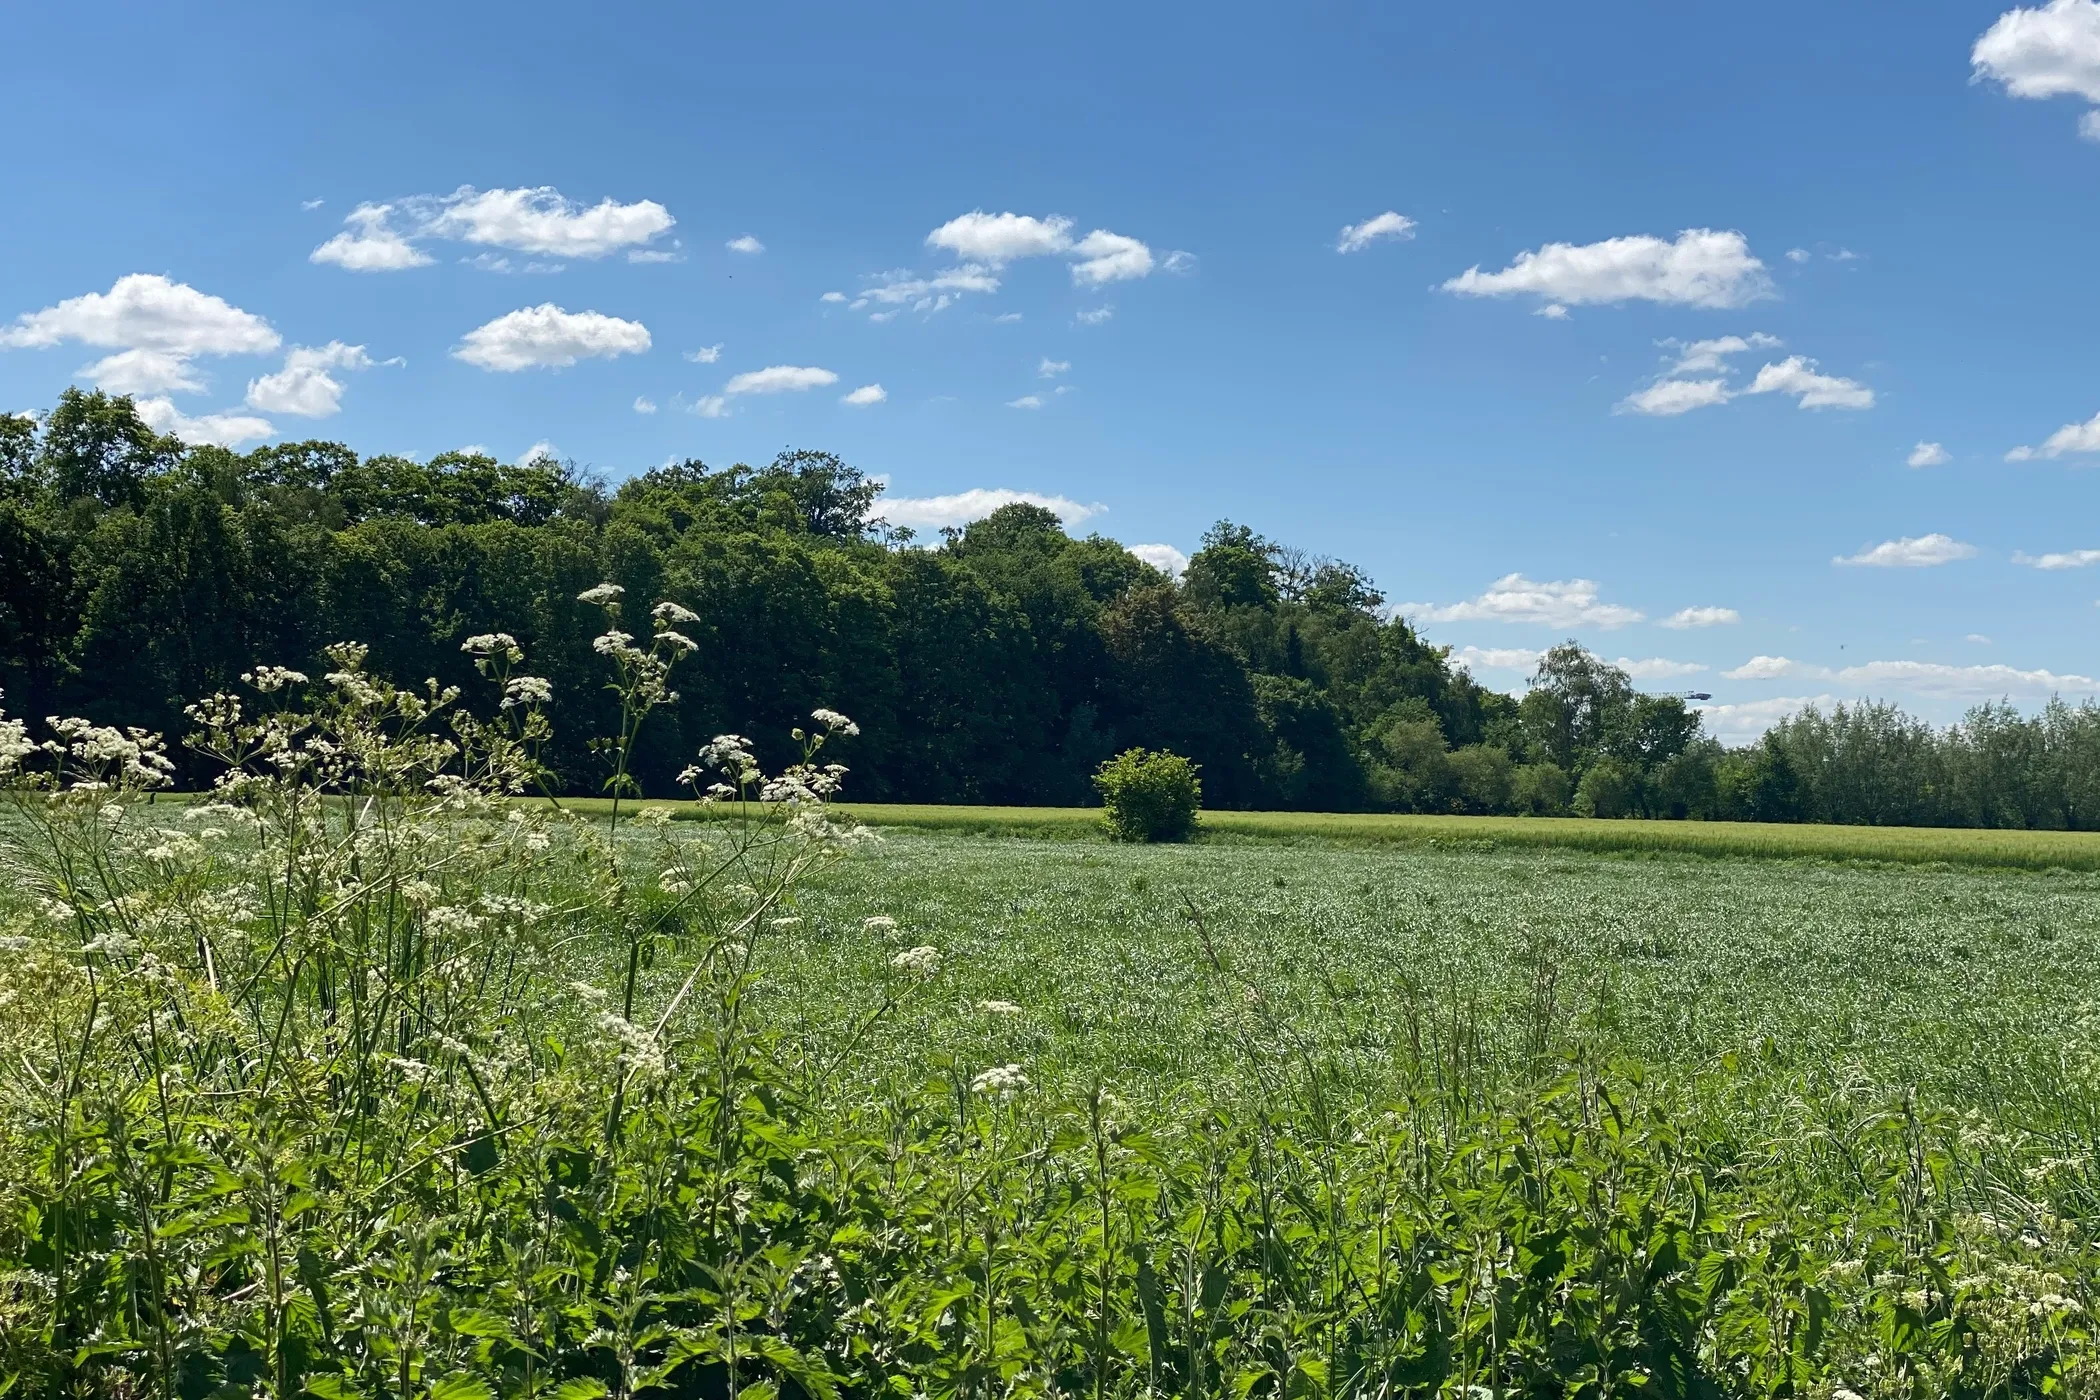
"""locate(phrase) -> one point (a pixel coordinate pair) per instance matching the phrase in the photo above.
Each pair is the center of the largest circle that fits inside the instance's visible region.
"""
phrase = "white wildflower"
(273, 678)
(490, 645)
(1000, 1081)
(835, 722)
(922, 961)
(677, 641)
(674, 883)
(669, 612)
(451, 919)
(589, 993)
(1000, 1008)
(879, 923)
(601, 593)
(527, 690)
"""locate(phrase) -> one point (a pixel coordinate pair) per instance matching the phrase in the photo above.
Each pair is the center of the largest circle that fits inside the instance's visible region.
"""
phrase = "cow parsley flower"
(922, 961)
(601, 593)
(1000, 1082)
(668, 612)
(834, 722)
(1000, 1008)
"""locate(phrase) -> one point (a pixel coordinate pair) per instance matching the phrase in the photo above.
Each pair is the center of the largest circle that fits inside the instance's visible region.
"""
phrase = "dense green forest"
(1000, 665)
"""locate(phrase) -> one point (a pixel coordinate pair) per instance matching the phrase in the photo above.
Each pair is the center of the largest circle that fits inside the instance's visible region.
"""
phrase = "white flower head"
(1000, 1082)
(999, 1008)
(922, 961)
(494, 644)
(273, 678)
(834, 722)
(601, 593)
(669, 613)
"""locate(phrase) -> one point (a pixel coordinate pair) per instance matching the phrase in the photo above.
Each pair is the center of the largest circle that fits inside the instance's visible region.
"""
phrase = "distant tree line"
(1001, 665)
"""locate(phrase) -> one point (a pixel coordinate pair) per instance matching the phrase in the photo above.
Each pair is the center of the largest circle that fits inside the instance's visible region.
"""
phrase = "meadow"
(361, 1077)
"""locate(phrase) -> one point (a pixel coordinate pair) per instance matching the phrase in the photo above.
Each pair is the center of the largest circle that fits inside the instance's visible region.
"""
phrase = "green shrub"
(1148, 796)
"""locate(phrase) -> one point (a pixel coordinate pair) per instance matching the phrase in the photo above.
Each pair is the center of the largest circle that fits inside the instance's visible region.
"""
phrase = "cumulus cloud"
(541, 451)
(779, 379)
(1496, 658)
(998, 239)
(307, 387)
(2069, 559)
(1772, 668)
(832, 296)
(1050, 369)
(709, 406)
(904, 290)
(745, 244)
(1964, 682)
(1095, 316)
(1391, 224)
(1701, 267)
(1797, 375)
(1109, 257)
(1163, 557)
(1657, 668)
(144, 372)
(370, 243)
(2071, 438)
(540, 220)
(1666, 398)
(213, 429)
(1927, 454)
(1552, 311)
(705, 355)
(1744, 721)
(2052, 51)
(146, 311)
(1798, 255)
(1685, 619)
(644, 404)
(937, 512)
(1026, 401)
(1711, 356)
(547, 337)
(866, 394)
(1515, 598)
(1921, 552)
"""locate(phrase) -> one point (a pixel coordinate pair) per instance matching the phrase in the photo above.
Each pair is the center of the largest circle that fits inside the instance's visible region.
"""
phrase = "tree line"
(1002, 664)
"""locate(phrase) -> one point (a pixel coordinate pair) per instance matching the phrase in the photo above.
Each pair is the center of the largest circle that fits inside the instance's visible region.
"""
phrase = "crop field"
(439, 1096)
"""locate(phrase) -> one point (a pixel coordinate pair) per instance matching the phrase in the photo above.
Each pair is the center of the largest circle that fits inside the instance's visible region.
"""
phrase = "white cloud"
(1927, 454)
(2069, 559)
(144, 372)
(832, 296)
(541, 220)
(1109, 257)
(1515, 598)
(866, 394)
(1798, 255)
(1657, 668)
(1921, 552)
(1685, 619)
(2071, 437)
(779, 379)
(498, 263)
(1969, 682)
(936, 512)
(1552, 311)
(1772, 668)
(644, 404)
(1496, 658)
(1666, 398)
(1180, 262)
(146, 311)
(1026, 401)
(541, 451)
(307, 387)
(672, 254)
(1095, 316)
(547, 337)
(998, 239)
(1006, 318)
(901, 289)
(371, 244)
(1050, 369)
(218, 429)
(1702, 267)
(2053, 51)
(1797, 375)
(1744, 721)
(709, 406)
(1163, 557)
(1391, 224)
(1978, 638)
(1711, 356)
(309, 205)
(705, 355)
(745, 244)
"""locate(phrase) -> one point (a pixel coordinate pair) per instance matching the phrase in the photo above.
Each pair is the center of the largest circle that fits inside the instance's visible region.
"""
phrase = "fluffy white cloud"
(1685, 619)
(1797, 375)
(745, 244)
(644, 404)
(866, 394)
(1798, 255)
(541, 451)
(1515, 598)
(2053, 51)
(1026, 401)
(307, 387)
(1666, 398)
(1927, 454)
(541, 220)
(1921, 552)
(1963, 682)
(936, 512)
(146, 311)
(1496, 658)
(2069, 559)
(1772, 668)
(2070, 438)
(1657, 668)
(705, 355)
(1163, 557)
(1711, 356)
(1109, 257)
(503, 266)
(1391, 224)
(144, 372)
(779, 379)
(709, 406)
(1050, 369)
(1701, 267)
(998, 239)
(903, 290)
(217, 429)
(370, 243)
(547, 337)
(832, 296)
(1095, 316)
(1978, 638)
(1552, 311)
(1744, 721)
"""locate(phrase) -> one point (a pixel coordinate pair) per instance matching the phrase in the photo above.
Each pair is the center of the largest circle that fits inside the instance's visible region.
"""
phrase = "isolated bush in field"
(1149, 796)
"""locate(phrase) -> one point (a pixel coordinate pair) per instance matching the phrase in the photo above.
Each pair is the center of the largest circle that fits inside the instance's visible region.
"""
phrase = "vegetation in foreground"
(411, 1091)
(1001, 665)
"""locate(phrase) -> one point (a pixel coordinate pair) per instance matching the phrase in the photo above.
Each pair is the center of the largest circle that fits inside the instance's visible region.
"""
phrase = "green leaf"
(581, 1388)
(461, 1386)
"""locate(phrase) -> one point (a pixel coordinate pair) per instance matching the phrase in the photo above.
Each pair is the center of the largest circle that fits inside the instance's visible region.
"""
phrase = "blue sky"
(1902, 196)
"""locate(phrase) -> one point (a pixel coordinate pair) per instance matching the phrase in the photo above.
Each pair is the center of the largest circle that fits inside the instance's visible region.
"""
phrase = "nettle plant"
(282, 1057)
